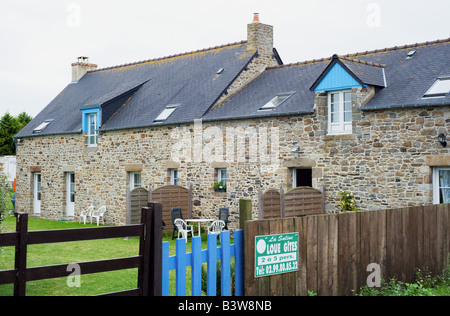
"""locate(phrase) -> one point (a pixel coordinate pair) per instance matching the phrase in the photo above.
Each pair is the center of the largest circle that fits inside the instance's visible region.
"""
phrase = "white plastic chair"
(99, 214)
(86, 213)
(216, 227)
(183, 228)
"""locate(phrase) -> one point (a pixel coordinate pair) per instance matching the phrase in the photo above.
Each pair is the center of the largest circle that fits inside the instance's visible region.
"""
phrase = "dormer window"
(275, 102)
(440, 88)
(91, 123)
(166, 113)
(340, 115)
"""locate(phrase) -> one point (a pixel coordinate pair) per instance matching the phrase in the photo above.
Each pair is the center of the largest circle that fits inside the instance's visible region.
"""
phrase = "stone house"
(368, 123)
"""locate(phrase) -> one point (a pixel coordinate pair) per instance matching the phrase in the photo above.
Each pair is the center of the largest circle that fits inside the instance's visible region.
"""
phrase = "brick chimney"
(260, 38)
(81, 67)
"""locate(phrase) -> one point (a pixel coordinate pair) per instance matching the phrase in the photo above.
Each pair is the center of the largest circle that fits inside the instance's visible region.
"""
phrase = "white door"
(37, 194)
(70, 198)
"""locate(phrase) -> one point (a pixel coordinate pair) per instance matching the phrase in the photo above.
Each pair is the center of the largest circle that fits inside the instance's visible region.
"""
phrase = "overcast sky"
(40, 38)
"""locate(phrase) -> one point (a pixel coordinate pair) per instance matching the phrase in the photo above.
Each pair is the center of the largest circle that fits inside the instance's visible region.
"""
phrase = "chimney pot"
(255, 17)
(81, 67)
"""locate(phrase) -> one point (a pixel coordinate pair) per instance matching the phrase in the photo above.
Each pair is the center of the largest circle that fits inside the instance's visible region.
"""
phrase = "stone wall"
(387, 162)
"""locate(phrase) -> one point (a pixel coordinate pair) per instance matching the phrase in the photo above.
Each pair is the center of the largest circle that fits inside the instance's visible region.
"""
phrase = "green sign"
(276, 254)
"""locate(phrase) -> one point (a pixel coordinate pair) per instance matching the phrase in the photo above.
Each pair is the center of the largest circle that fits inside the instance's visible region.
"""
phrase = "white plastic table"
(199, 221)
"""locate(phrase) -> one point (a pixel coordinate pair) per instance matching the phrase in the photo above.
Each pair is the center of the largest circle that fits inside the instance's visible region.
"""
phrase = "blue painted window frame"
(85, 117)
(86, 112)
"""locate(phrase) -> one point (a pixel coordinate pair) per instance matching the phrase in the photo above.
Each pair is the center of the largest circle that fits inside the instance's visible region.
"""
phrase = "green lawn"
(9, 205)
(65, 253)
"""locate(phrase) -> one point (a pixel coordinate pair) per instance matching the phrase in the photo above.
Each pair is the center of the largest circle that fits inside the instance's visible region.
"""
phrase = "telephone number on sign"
(277, 268)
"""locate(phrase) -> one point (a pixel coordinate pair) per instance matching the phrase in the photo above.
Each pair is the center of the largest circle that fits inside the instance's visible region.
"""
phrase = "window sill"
(347, 136)
(219, 194)
(91, 149)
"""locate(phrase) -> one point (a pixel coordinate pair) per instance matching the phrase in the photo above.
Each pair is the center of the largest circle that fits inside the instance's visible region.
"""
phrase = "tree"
(9, 127)
(23, 119)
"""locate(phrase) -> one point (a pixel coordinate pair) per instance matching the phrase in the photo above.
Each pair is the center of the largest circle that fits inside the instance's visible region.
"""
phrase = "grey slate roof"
(248, 101)
(407, 80)
(134, 95)
(369, 73)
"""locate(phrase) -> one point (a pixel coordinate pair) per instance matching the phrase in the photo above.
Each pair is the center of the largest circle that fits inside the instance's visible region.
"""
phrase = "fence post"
(245, 212)
(21, 254)
(150, 275)
(155, 275)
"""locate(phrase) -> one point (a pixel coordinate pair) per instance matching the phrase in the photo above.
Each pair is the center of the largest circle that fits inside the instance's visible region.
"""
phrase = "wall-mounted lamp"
(443, 140)
(296, 151)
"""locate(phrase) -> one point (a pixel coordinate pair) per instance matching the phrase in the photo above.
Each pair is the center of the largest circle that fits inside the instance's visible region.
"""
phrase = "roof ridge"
(359, 61)
(301, 63)
(349, 56)
(167, 57)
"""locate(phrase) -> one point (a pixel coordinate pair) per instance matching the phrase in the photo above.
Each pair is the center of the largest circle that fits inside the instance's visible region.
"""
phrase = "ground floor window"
(301, 177)
(222, 176)
(135, 180)
(441, 185)
(70, 194)
(37, 193)
(173, 176)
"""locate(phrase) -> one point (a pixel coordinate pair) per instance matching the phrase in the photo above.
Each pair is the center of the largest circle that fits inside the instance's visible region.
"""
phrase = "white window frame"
(133, 183)
(166, 113)
(41, 127)
(439, 89)
(341, 126)
(276, 101)
(173, 176)
(437, 185)
(92, 135)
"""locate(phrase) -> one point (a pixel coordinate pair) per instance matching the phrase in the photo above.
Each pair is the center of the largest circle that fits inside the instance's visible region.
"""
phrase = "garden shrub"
(218, 287)
(347, 202)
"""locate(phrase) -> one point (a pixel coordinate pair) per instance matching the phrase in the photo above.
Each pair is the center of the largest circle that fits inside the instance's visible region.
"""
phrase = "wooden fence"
(148, 261)
(297, 202)
(210, 256)
(137, 199)
(173, 196)
(335, 250)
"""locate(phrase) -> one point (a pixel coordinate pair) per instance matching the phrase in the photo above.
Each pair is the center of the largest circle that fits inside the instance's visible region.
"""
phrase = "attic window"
(166, 113)
(411, 54)
(41, 127)
(440, 89)
(275, 102)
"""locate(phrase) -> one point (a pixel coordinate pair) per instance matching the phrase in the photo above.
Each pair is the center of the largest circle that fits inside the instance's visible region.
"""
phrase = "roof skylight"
(440, 88)
(166, 113)
(275, 102)
(411, 54)
(41, 127)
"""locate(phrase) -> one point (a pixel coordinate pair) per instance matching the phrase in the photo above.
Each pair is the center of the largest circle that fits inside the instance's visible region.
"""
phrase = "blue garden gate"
(181, 260)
